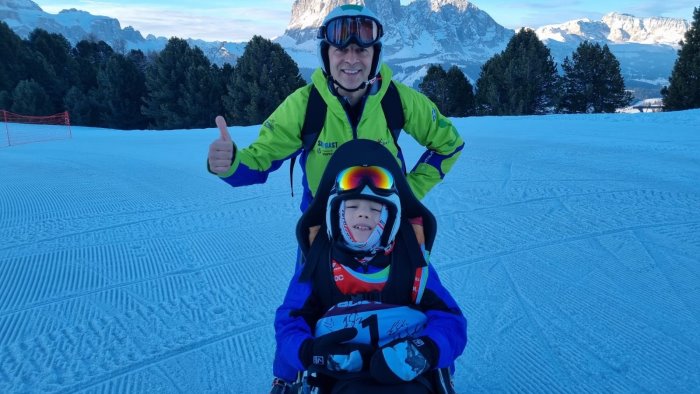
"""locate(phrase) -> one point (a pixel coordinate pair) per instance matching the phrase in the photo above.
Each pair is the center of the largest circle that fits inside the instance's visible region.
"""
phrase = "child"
(366, 312)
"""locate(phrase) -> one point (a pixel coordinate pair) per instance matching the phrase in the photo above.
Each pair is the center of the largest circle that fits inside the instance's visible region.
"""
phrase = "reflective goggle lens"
(341, 31)
(355, 177)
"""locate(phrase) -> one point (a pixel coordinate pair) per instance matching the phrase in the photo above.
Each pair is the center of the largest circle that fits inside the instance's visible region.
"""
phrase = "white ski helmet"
(347, 24)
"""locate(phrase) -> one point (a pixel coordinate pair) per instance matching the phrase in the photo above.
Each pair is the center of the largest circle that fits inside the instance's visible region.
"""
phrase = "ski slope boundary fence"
(23, 129)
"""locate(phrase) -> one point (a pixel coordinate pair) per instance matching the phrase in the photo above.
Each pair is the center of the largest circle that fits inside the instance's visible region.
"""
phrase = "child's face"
(362, 216)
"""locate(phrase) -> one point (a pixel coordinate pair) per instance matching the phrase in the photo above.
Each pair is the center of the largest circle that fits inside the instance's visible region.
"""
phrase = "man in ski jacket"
(352, 81)
(365, 310)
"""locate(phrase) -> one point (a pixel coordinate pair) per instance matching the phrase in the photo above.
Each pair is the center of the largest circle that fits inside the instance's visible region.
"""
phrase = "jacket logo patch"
(326, 148)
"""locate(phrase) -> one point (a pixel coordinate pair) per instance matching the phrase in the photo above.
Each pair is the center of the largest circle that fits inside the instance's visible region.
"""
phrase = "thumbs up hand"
(221, 150)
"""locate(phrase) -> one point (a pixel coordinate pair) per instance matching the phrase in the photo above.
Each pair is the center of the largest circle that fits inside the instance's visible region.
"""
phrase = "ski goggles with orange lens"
(341, 32)
(378, 179)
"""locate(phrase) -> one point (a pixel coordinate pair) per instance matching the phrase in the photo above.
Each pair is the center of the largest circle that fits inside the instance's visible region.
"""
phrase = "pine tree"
(20, 62)
(573, 85)
(451, 91)
(81, 100)
(30, 98)
(205, 90)
(164, 84)
(434, 86)
(262, 78)
(84, 108)
(121, 87)
(90, 56)
(5, 99)
(460, 93)
(490, 87)
(521, 80)
(139, 59)
(56, 50)
(13, 64)
(592, 81)
(683, 91)
(615, 96)
(183, 88)
(39, 70)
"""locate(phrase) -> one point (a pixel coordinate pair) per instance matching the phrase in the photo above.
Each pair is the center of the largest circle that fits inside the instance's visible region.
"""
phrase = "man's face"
(362, 216)
(350, 66)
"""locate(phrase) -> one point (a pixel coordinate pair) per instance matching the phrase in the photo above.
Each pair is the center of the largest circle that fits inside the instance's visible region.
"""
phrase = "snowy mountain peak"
(574, 30)
(23, 16)
(654, 30)
(461, 5)
(618, 28)
(20, 5)
(308, 14)
(418, 34)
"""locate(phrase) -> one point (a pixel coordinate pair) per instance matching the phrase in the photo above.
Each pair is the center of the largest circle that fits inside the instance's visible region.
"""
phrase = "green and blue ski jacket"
(280, 137)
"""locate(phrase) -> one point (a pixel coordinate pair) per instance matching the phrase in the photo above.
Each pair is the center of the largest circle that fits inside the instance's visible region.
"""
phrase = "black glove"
(328, 353)
(403, 360)
(279, 386)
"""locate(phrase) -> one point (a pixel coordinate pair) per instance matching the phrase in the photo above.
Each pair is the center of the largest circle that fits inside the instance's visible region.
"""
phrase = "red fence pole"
(67, 118)
(7, 130)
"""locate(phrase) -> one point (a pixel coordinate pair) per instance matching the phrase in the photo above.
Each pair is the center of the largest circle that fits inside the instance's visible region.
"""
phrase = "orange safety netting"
(22, 129)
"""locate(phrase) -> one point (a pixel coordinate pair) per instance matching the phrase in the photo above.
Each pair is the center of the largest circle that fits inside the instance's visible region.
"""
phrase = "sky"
(221, 20)
(570, 242)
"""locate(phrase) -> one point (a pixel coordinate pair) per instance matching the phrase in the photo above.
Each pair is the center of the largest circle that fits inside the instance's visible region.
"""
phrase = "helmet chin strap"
(362, 85)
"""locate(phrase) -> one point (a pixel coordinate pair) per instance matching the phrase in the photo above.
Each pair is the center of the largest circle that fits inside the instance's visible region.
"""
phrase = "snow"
(570, 241)
(658, 81)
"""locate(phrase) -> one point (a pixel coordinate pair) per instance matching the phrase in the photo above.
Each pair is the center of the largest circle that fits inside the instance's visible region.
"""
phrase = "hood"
(357, 153)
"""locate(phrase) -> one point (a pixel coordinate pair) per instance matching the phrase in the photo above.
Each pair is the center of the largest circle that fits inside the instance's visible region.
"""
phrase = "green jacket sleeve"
(278, 140)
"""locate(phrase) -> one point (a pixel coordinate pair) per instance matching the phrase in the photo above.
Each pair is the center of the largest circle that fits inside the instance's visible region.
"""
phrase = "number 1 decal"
(373, 324)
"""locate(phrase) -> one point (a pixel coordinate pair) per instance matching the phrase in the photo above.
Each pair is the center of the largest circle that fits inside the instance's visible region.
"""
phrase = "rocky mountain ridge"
(23, 16)
(618, 28)
(421, 33)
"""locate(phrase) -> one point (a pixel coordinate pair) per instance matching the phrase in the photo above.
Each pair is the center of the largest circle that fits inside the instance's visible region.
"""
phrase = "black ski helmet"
(362, 152)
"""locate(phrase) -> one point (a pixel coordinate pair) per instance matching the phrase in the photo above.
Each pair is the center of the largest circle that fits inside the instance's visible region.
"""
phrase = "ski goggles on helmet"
(378, 179)
(341, 32)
